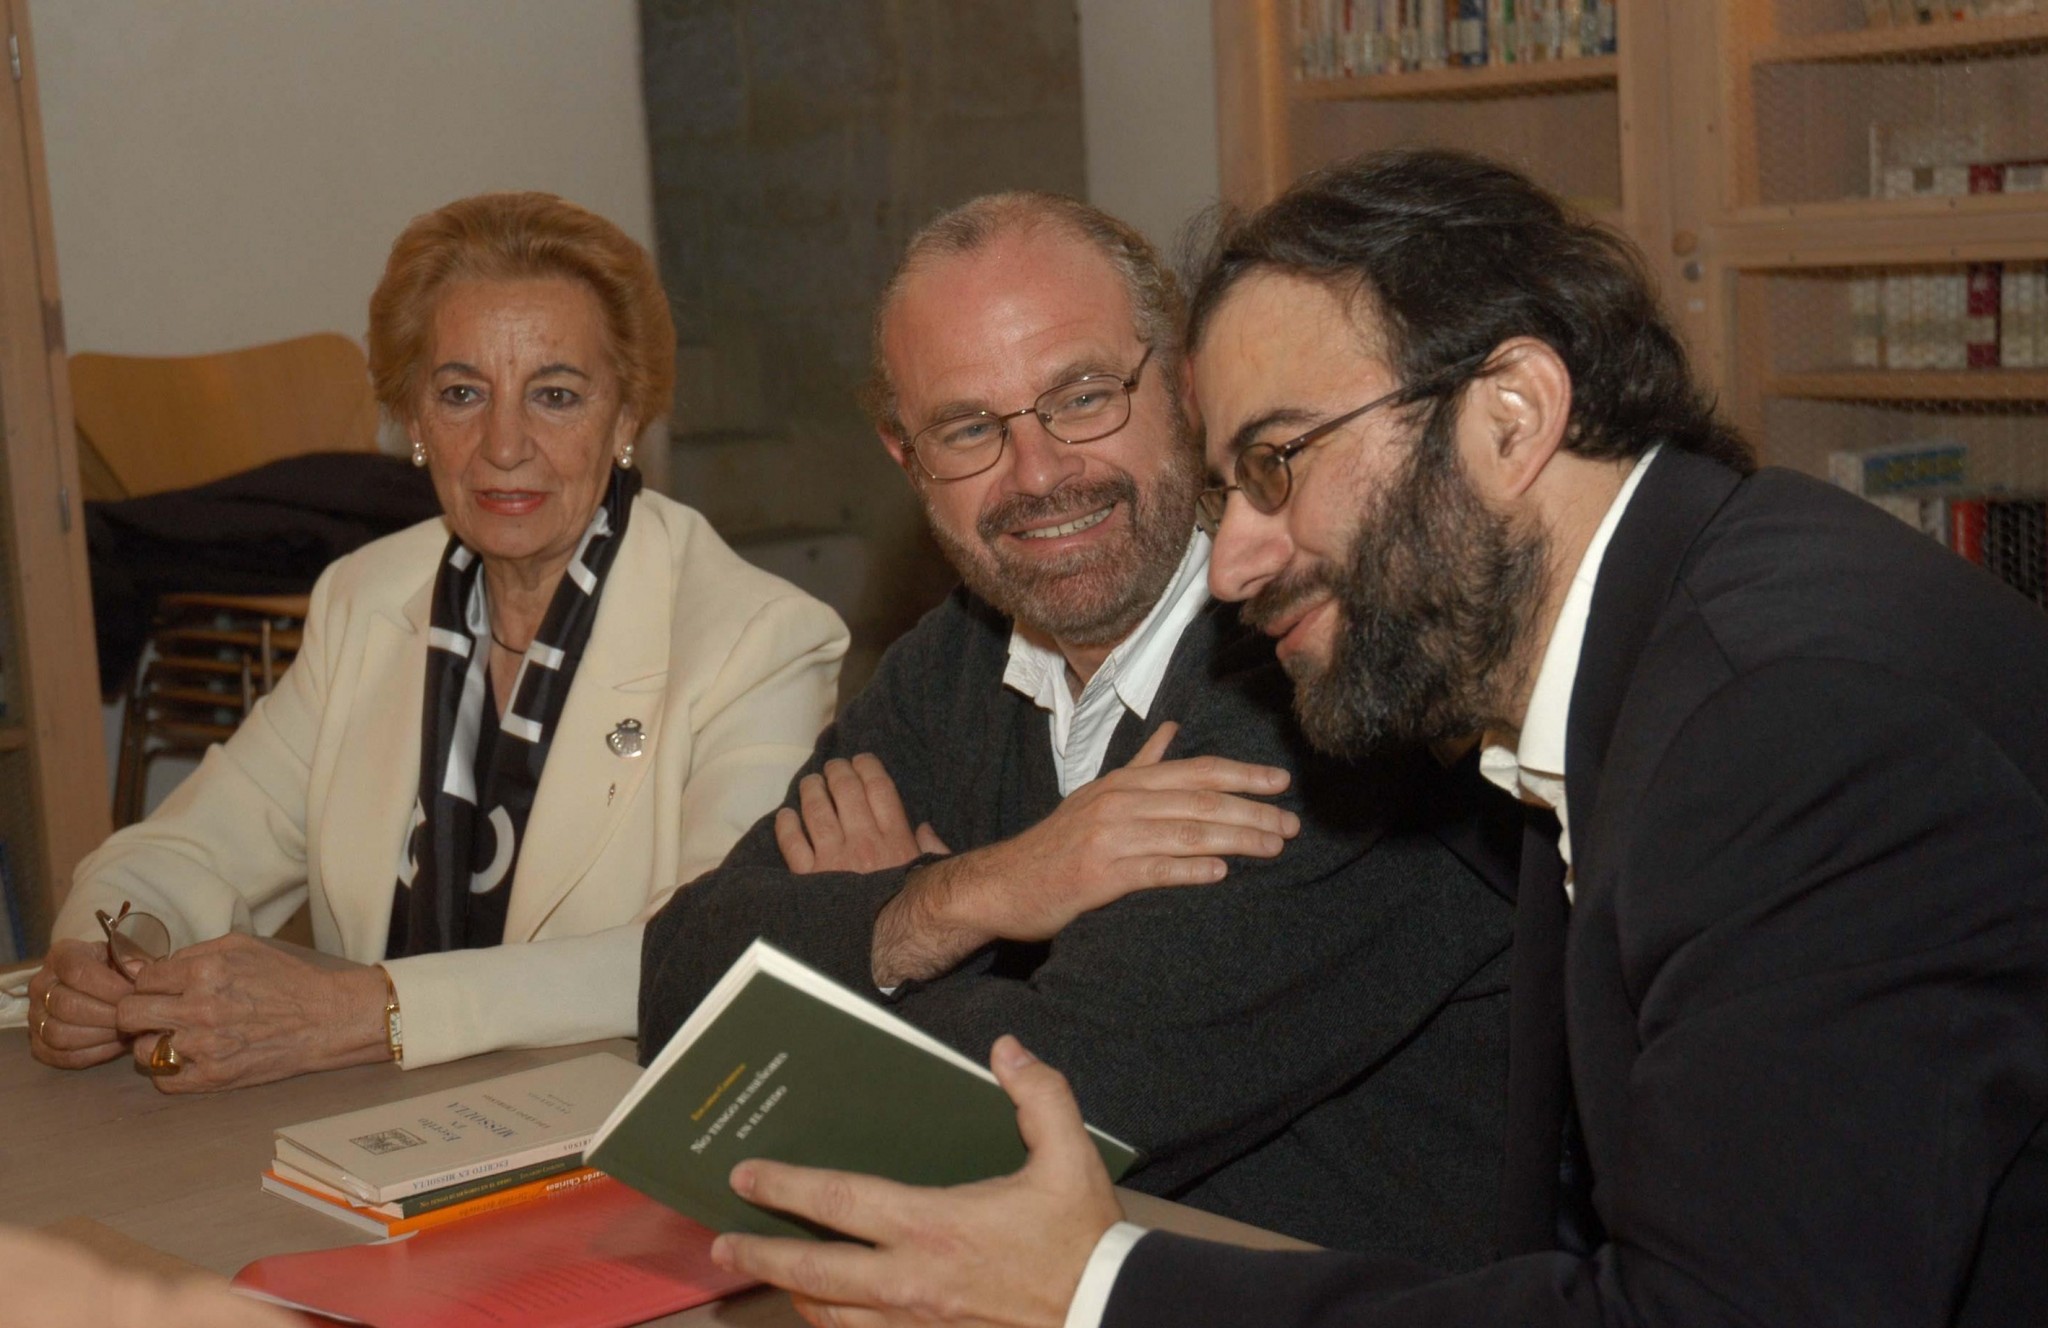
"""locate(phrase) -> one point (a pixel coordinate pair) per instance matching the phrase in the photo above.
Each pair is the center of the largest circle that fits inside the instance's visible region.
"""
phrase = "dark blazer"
(1244, 1035)
(1806, 984)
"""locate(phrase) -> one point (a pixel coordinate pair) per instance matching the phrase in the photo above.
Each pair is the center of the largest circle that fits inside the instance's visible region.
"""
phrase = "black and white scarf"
(478, 773)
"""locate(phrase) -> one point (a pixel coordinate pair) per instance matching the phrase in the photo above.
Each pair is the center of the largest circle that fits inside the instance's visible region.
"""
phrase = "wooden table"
(180, 1174)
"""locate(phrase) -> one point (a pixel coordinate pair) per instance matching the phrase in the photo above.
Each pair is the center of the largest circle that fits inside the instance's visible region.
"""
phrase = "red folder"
(602, 1257)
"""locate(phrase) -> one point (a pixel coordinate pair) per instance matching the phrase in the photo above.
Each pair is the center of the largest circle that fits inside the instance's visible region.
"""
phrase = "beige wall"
(225, 172)
(1148, 107)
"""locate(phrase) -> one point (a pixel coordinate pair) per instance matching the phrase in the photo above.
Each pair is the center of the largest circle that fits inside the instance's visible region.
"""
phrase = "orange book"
(600, 1255)
(368, 1218)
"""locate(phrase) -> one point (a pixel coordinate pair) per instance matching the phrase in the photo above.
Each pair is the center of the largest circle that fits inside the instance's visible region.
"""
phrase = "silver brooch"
(627, 739)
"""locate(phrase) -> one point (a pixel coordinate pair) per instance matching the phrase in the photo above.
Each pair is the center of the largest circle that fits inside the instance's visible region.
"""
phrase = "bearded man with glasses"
(992, 831)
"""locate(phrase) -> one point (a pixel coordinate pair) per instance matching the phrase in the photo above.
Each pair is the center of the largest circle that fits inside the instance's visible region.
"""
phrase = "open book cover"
(781, 1062)
(598, 1257)
(389, 1152)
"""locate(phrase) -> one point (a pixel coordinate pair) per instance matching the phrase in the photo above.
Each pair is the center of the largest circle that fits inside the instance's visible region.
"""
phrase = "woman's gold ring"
(45, 1023)
(48, 992)
(164, 1058)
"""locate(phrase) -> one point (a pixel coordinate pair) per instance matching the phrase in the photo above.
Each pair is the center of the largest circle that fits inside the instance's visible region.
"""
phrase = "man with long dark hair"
(1780, 1012)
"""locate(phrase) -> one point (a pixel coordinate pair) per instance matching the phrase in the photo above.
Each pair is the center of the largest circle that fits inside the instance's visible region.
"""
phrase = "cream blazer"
(730, 671)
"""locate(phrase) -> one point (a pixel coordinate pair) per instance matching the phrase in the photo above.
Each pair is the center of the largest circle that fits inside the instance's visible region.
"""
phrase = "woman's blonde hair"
(513, 237)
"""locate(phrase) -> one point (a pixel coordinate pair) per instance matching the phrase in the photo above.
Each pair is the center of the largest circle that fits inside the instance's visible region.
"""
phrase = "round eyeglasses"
(1084, 410)
(1262, 471)
(132, 938)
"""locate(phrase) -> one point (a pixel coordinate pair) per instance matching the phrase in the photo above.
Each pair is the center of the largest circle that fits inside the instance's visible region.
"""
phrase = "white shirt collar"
(1534, 770)
(1128, 680)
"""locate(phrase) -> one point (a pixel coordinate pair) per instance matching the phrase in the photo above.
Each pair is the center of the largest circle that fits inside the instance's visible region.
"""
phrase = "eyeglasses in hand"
(132, 938)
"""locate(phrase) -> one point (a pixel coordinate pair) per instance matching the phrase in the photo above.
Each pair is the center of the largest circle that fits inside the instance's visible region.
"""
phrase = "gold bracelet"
(393, 1029)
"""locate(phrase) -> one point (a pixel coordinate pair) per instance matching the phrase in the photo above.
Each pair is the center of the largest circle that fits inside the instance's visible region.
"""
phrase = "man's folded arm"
(1195, 1022)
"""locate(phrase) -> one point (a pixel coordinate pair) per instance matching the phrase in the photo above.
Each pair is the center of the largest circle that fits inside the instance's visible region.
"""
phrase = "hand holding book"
(1009, 1250)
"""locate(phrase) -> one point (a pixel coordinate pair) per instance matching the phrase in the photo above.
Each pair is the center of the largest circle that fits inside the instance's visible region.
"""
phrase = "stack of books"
(440, 1157)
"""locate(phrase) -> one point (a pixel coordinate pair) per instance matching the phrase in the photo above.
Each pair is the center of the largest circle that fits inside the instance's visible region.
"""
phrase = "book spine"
(1966, 528)
(428, 1202)
(457, 1175)
(1980, 334)
(1866, 322)
(491, 1203)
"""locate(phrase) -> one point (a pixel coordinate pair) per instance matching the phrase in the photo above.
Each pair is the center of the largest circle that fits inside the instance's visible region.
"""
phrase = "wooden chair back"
(149, 423)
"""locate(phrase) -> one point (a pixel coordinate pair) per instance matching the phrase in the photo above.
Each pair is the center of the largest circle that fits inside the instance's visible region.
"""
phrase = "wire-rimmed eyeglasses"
(132, 938)
(1089, 408)
(1262, 471)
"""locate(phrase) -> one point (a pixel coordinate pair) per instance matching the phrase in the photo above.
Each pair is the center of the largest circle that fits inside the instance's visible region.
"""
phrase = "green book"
(781, 1062)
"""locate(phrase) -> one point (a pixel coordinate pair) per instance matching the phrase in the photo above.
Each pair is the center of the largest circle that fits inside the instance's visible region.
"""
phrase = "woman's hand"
(71, 1002)
(243, 1011)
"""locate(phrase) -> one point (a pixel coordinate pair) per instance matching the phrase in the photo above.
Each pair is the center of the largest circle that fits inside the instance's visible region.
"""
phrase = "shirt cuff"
(1091, 1298)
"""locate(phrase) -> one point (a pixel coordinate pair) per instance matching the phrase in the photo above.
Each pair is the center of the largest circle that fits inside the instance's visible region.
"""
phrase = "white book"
(399, 1149)
(1949, 345)
(2033, 300)
(1897, 298)
(1866, 322)
(1571, 18)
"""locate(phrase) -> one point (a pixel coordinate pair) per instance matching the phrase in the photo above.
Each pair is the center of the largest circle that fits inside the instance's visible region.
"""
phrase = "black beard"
(1435, 598)
(1095, 596)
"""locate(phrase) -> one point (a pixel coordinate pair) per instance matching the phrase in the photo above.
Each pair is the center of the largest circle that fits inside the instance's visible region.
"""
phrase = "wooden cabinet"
(1783, 164)
(53, 780)
(1868, 259)
(1589, 127)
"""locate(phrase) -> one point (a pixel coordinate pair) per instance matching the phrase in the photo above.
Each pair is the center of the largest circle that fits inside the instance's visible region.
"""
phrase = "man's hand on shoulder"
(1152, 823)
(852, 821)
(1004, 1253)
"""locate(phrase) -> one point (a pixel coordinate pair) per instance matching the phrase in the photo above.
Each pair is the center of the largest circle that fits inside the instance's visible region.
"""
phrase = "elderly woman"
(509, 734)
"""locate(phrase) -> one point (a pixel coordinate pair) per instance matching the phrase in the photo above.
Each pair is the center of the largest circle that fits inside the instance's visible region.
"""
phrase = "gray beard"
(1093, 597)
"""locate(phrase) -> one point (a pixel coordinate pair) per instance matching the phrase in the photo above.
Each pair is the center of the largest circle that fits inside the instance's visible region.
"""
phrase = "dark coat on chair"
(1806, 984)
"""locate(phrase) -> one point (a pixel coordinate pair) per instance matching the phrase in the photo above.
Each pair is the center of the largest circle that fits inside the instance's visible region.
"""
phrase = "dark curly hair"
(1454, 255)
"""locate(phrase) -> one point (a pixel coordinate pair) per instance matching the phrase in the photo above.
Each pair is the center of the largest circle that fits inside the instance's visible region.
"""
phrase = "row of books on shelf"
(1927, 486)
(1975, 316)
(1343, 38)
(1905, 13)
(1906, 164)
(1985, 316)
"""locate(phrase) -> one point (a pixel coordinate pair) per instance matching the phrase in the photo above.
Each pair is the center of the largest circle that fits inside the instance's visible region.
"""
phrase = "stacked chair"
(152, 424)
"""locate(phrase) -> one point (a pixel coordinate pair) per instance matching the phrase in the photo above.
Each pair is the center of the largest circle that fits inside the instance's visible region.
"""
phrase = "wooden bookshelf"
(1505, 80)
(2003, 386)
(53, 778)
(1591, 128)
(1734, 141)
(1815, 111)
(1929, 41)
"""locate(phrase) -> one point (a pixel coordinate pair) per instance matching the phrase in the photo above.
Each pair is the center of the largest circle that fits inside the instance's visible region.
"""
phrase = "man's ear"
(1515, 417)
(898, 453)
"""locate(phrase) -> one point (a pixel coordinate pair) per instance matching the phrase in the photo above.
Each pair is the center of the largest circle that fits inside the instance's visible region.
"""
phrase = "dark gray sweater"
(1317, 1044)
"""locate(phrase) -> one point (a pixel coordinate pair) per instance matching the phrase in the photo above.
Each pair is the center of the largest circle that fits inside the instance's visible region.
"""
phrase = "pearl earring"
(419, 452)
(626, 457)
